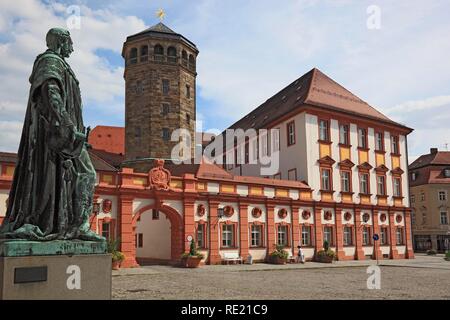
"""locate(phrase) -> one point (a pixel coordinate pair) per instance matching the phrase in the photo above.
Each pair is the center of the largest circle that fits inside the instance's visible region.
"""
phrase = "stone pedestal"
(57, 277)
(54, 270)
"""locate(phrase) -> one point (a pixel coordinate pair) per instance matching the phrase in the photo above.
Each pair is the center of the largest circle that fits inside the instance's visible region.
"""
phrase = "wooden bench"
(234, 257)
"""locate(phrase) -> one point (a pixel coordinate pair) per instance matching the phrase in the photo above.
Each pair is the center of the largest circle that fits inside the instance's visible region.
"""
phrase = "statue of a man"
(53, 186)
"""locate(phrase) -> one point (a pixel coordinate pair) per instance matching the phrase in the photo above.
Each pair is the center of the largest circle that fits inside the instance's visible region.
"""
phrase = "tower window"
(165, 109)
(172, 54)
(191, 62)
(144, 53)
(188, 119)
(188, 92)
(184, 58)
(133, 56)
(165, 87)
(137, 132)
(166, 134)
(158, 51)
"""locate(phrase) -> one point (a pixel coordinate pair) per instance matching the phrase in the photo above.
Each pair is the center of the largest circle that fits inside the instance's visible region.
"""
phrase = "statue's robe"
(54, 179)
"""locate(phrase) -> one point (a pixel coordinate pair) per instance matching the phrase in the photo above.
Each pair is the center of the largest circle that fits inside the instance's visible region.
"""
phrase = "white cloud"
(416, 105)
(25, 24)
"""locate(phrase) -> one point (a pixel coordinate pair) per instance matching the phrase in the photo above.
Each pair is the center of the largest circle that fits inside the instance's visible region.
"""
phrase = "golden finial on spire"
(160, 14)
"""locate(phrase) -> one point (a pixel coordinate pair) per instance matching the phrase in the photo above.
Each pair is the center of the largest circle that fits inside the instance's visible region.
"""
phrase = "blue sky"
(249, 50)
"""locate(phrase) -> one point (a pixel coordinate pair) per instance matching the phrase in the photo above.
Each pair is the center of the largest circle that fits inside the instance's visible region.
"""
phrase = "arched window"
(158, 52)
(184, 58)
(191, 62)
(132, 59)
(172, 54)
(144, 53)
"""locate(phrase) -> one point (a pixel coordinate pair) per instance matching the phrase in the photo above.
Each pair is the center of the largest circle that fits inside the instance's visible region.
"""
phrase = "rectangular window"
(397, 187)
(422, 196)
(399, 236)
(256, 236)
(395, 149)
(383, 236)
(323, 130)
(165, 109)
(366, 236)
(188, 92)
(105, 230)
(345, 181)
(379, 146)
(275, 139)
(362, 138)
(166, 134)
(326, 173)
(201, 232)
(348, 236)
(227, 236)
(306, 236)
(137, 132)
(380, 185)
(155, 214)
(364, 183)
(442, 196)
(344, 134)
(291, 133)
(282, 236)
(292, 174)
(413, 198)
(444, 217)
(328, 235)
(140, 242)
(165, 87)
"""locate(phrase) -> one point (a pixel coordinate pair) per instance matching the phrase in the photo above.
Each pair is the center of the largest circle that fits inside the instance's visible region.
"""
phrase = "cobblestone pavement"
(421, 278)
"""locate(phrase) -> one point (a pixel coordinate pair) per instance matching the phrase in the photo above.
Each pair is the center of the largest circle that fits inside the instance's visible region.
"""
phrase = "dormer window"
(447, 173)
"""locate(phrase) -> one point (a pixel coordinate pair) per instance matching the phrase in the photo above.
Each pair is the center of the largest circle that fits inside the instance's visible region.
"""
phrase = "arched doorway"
(158, 233)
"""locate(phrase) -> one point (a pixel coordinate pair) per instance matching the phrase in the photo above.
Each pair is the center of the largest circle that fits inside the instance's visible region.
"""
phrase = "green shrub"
(113, 248)
(447, 256)
(328, 253)
(192, 252)
(280, 253)
(118, 256)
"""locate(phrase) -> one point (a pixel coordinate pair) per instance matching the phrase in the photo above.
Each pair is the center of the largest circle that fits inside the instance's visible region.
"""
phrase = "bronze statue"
(51, 195)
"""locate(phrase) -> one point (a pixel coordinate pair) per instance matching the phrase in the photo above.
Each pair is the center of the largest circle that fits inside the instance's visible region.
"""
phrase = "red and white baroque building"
(227, 213)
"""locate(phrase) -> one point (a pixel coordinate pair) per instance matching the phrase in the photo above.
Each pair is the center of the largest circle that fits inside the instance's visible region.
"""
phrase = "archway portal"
(158, 235)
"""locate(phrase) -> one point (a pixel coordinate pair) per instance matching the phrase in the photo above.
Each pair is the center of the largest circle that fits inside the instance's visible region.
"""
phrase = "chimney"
(433, 150)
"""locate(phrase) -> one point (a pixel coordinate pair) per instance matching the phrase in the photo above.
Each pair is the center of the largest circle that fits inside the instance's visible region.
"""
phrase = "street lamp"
(220, 213)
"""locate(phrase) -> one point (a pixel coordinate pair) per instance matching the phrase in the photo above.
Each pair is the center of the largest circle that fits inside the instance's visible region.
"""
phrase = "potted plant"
(279, 256)
(116, 255)
(192, 258)
(447, 256)
(326, 255)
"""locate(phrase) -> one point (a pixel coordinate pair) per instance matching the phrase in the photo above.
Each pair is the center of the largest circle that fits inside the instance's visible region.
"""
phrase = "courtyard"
(426, 277)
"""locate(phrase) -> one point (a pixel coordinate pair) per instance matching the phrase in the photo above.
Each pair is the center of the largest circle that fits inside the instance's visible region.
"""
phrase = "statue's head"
(58, 40)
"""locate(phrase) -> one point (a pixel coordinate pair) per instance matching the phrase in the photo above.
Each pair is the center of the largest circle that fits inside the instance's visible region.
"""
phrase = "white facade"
(303, 156)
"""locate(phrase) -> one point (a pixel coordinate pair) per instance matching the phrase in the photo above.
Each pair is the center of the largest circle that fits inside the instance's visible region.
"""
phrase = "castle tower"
(160, 75)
